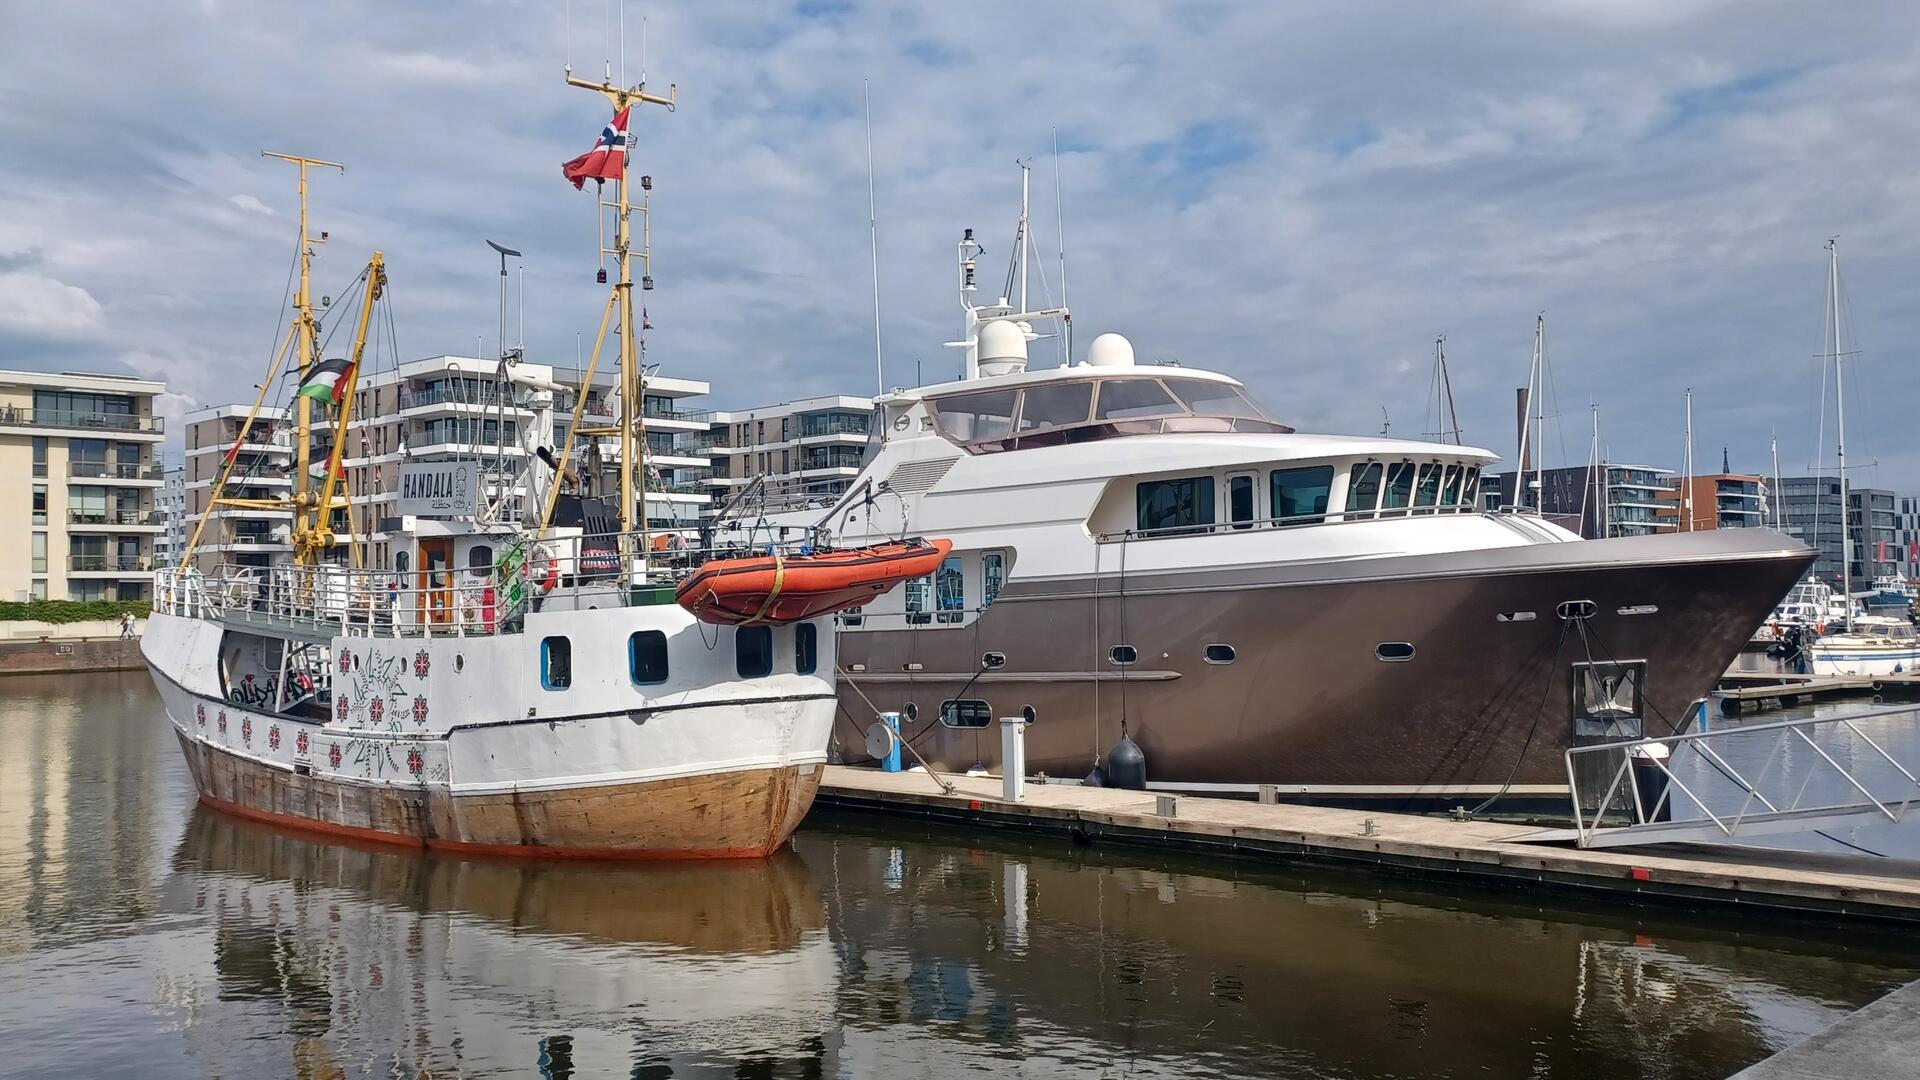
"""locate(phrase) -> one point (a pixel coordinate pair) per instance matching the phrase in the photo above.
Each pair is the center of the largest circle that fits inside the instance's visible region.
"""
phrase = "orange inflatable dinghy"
(777, 589)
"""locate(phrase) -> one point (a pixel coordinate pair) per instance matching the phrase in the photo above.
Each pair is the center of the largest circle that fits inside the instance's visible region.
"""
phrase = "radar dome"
(1110, 350)
(1003, 347)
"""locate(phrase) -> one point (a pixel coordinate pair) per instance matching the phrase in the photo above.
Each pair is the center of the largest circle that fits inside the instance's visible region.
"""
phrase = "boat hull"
(1863, 661)
(464, 743)
(734, 815)
(1305, 701)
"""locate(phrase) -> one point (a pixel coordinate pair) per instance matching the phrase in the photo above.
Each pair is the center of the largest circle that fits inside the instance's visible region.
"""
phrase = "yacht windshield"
(1082, 410)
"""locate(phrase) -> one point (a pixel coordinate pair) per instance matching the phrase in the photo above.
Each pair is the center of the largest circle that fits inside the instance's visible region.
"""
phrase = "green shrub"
(71, 611)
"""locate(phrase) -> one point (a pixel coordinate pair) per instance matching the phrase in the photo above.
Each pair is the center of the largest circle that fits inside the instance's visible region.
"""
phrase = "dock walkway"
(1830, 888)
(1881, 1039)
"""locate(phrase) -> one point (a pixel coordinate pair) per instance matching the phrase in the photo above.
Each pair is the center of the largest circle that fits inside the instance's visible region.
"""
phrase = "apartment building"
(1810, 511)
(1633, 498)
(806, 450)
(437, 409)
(170, 504)
(1719, 501)
(78, 476)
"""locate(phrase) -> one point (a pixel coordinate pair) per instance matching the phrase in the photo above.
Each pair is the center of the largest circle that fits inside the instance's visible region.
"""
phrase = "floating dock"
(1745, 690)
(1827, 888)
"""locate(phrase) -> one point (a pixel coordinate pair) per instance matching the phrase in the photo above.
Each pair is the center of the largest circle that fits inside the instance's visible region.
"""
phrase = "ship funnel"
(1003, 347)
(1110, 350)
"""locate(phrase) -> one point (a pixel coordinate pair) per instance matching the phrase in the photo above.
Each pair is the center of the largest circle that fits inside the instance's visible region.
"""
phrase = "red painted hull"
(773, 589)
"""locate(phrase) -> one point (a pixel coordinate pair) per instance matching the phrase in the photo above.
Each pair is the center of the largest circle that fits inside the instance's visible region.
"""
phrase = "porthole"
(459, 662)
(1638, 609)
(1220, 654)
(966, 713)
(1515, 616)
(993, 661)
(1393, 652)
(1122, 655)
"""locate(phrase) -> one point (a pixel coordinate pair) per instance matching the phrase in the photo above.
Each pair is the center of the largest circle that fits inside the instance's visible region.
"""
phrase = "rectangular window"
(1300, 495)
(806, 648)
(38, 590)
(966, 713)
(556, 663)
(1240, 501)
(1399, 492)
(1363, 490)
(919, 600)
(950, 589)
(39, 504)
(1470, 487)
(39, 455)
(993, 574)
(1174, 504)
(39, 553)
(753, 651)
(1427, 491)
(1450, 495)
(647, 657)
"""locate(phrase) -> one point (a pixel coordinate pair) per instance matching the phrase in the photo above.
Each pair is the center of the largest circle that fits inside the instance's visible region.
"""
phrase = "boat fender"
(1096, 778)
(1127, 764)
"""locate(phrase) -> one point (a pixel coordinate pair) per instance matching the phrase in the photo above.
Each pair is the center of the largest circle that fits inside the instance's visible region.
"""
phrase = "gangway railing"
(1746, 780)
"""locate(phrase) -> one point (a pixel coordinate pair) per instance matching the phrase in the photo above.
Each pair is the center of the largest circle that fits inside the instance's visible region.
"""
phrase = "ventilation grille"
(914, 477)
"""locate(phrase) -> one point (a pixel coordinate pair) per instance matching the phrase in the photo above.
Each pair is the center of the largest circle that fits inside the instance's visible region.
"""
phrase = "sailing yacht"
(1144, 550)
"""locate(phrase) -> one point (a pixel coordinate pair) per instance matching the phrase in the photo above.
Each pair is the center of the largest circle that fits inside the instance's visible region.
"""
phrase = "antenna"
(873, 245)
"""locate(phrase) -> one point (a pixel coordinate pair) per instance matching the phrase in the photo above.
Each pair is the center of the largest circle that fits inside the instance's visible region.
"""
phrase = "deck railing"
(559, 573)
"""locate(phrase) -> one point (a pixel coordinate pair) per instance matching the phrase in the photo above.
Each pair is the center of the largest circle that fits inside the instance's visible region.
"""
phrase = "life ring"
(549, 576)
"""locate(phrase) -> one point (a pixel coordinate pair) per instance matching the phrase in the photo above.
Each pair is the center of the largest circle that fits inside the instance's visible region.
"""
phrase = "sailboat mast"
(1840, 403)
(632, 383)
(1446, 386)
(1773, 448)
(1686, 482)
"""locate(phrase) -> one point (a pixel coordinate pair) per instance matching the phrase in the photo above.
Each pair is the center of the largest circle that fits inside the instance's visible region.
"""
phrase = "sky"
(1303, 196)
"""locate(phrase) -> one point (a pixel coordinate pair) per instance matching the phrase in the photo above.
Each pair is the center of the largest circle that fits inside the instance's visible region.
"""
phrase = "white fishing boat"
(548, 697)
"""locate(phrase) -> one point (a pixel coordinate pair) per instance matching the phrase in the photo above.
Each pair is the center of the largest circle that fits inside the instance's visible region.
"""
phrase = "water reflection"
(146, 938)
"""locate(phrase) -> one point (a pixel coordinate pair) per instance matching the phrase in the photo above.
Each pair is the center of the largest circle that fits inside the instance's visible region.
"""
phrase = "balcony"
(487, 397)
(137, 519)
(16, 416)
(110, 564)
(114, 470)
(838, 426)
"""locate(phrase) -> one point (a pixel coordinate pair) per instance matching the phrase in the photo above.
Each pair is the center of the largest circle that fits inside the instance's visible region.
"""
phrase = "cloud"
(35, 304)
(1302, 198)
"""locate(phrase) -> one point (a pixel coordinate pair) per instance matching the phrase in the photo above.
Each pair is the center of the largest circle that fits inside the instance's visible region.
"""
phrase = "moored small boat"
(775, 589)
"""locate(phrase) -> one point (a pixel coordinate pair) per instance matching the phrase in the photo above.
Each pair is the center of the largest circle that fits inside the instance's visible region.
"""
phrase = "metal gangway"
(1748, 780)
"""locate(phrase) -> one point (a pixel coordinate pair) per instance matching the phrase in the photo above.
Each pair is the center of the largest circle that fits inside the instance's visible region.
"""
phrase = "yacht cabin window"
(1427, 491)
(1300, 495)
(1240, 500)
(950, 589)
(1184, 503)
(979, 416)
(1399, 493)
(993, 574)
(1052, 405)
(1127, 399)
(1208, 398)
(1363, 489)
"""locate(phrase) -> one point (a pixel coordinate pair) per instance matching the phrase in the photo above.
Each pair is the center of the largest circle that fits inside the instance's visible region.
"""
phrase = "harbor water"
(143, 936)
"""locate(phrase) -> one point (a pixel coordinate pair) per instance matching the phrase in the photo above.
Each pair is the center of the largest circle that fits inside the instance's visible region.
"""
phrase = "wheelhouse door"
(436, 580)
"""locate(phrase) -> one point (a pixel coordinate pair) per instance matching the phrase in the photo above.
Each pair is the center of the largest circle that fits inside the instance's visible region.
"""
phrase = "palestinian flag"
(326, 382)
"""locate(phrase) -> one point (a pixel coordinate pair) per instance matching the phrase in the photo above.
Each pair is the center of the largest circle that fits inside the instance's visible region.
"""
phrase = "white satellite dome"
(1110, 350)
(1003, 347)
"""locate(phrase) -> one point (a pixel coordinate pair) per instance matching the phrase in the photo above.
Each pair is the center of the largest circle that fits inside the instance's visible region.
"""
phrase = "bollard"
(1013, 758)
(1164, 805)
(1269, 794)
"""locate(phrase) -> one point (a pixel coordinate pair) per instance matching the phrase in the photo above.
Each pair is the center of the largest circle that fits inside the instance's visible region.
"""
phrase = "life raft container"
(776, 589)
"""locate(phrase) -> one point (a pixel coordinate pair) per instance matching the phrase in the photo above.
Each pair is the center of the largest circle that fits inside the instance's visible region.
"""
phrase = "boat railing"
(1746, 780)
(567, 572)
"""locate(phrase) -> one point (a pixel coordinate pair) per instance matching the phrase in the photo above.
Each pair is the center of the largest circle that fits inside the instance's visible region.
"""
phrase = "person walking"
(126, 625)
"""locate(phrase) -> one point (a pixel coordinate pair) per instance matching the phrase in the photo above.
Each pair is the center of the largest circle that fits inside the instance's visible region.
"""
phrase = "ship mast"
(1840, 403)
(632, 421)
(306, 330)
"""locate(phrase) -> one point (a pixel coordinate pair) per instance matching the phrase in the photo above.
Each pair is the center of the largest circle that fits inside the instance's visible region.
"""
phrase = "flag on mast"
(608, 158)
(327, 382)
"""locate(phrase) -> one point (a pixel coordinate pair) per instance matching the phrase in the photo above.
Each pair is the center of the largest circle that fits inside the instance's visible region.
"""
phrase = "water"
(140, 936)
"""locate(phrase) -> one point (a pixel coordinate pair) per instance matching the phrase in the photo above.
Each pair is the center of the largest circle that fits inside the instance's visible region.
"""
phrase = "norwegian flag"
(608, 158)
